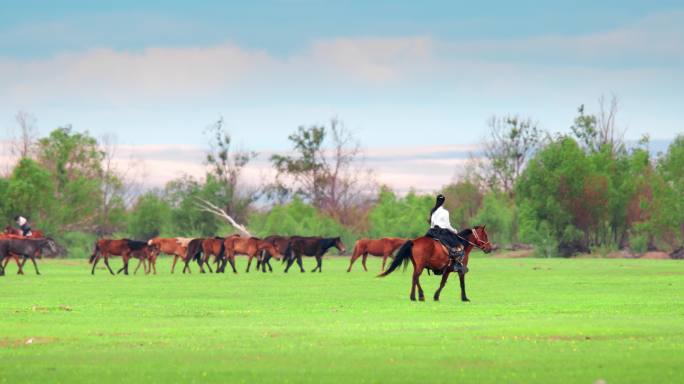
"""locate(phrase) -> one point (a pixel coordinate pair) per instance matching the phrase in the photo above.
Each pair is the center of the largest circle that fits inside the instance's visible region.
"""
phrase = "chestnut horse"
(35, 234)
(311, 246)
(178, 247)
(428, 253)
(124, 248)
(250, 246)
(380, 247)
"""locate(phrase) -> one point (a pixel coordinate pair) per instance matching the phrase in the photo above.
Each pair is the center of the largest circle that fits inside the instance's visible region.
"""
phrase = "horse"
(4, 261)
(428, 253)
(124, 248)
(178, 247)
(147, 256)
(35, 234)
(380, 247)
(311, 246)
(280, 243)
(250, 246)
(27, 248)
(203, 248)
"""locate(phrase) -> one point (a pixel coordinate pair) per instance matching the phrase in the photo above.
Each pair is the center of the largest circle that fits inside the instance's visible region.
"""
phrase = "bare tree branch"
(207, 206)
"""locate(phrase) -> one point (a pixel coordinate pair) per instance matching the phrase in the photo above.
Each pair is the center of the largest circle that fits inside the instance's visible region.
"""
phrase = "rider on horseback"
(23, 225)
(441, 229)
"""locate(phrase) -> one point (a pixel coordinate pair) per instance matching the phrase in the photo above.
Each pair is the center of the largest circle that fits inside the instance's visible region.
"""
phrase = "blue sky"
(397, 73)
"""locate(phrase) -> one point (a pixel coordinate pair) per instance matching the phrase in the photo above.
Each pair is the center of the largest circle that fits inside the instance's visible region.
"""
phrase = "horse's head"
(340, 245)
(10, 230)
(51, 245)
(481, 239)
(270, 248)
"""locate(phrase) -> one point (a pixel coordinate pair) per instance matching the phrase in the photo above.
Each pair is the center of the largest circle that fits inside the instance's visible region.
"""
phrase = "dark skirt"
(445, 236)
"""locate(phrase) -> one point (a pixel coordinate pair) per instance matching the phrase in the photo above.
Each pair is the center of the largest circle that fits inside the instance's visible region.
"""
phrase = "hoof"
(422, 298)
(465, 300)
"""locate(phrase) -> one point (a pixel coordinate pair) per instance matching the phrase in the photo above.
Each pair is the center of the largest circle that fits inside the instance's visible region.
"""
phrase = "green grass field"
(530, 320)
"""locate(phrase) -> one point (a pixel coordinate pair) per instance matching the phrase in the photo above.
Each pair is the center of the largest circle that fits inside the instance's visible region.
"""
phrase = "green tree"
(29, 192)
(150, 217)
(393, 216)
(463, 200)
(561, 191)
(74, 161)
(498, 213)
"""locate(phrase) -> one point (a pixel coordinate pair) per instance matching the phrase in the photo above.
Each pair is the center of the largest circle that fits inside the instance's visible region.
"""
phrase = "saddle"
(455, 257)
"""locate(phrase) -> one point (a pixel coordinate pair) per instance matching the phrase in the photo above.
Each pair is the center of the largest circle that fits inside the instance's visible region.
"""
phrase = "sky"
(407, 77)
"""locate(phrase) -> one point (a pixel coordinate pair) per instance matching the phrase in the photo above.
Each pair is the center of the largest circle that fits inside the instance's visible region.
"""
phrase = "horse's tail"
(403, 256)
(97, 249)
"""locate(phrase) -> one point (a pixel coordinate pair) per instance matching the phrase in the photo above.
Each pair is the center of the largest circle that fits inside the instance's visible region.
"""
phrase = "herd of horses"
(424, 253)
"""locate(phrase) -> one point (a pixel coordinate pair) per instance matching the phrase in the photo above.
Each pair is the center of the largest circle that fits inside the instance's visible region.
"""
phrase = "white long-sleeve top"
(440, 218)
(21, 220)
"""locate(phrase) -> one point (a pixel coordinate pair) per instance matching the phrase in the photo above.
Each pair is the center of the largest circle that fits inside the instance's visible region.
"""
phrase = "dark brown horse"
(311, 246)
(249, 246)
(26, 248)
(380, 247)
(202, 249)
(125, 248)
(428, 253)
(280, 243)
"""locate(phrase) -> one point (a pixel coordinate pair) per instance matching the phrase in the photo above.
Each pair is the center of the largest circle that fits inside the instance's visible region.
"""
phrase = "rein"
(477, 238)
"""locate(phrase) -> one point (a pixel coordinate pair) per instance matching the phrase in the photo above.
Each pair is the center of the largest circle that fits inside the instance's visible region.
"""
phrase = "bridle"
(479, 243)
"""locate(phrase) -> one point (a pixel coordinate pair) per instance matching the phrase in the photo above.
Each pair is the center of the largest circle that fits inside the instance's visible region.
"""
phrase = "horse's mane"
(466, 232)
(136, 245)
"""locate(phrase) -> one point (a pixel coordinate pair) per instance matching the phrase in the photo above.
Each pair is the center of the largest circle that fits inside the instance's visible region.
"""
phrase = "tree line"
(583, 191)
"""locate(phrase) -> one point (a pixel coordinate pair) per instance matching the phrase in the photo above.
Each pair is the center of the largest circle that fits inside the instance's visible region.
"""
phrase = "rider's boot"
(456, 255)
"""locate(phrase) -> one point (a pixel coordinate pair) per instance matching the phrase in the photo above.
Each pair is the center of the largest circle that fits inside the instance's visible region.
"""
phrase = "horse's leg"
(364, 257)
(290, 261)
(209, 264)
(299, 262)
(173, 265)
(20, 266)
(97, 259)
(354, 256)
(135, 272)
(249, 263)
(461, 278)
(445, 276)
(318, 264)
(35, 265)
(106, 261)
(231, 260)
(421, 296)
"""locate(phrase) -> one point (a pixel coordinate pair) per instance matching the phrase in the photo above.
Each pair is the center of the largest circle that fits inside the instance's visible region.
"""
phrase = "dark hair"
(438, 203)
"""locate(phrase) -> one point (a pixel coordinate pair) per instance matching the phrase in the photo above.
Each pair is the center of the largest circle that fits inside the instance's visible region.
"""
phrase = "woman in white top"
(23, 224)
(441, 229)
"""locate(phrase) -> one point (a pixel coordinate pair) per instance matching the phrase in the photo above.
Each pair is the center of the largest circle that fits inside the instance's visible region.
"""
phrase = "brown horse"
(147, 257)
(125, 248)
(35, 234)
(250, 246)
(171, 246)
(202, 249)
(428, 253)
(311, 246)
(280, 243)
(380, 247)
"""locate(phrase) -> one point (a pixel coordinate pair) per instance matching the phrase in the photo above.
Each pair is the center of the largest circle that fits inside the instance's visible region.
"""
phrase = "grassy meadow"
(530, 320)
